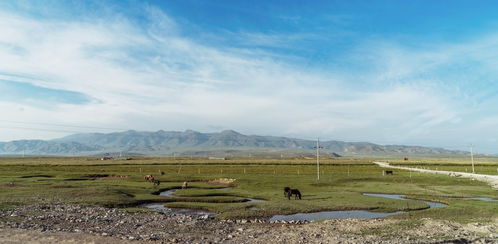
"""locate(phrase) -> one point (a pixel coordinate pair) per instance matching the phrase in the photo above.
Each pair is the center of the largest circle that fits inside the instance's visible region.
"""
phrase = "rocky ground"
(89, 224)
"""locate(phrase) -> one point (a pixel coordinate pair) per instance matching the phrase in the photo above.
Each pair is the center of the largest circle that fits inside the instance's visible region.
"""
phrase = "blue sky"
(388, 72)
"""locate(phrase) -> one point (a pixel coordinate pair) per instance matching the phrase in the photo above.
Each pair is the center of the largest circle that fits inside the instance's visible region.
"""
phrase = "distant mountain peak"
(166, 142)
(230, 132)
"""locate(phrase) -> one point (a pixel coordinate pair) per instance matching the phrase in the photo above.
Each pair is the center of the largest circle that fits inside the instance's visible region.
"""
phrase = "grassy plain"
(120, 183)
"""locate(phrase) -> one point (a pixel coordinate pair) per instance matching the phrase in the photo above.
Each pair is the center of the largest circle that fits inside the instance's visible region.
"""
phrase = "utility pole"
(472, 157)
(318, 158)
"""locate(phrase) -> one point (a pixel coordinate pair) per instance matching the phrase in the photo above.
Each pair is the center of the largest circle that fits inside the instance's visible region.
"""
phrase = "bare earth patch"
(15, 236)
(113, 177)
(222, 181)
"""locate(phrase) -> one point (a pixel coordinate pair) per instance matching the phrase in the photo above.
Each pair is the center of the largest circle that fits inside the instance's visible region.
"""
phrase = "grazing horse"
(288, 192)
(185, 185)
(388, 172)
(161, 172)
(156, 182)
(149, 178)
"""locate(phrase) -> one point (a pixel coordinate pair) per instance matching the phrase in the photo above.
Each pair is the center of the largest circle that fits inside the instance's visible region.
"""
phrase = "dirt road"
(490, 179)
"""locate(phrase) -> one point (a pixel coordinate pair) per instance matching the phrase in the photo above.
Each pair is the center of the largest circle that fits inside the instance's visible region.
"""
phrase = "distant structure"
(217, 158)
(106, 158)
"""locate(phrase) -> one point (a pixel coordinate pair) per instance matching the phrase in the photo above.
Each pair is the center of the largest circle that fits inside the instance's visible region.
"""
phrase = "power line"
(472, 157)
(318, 158)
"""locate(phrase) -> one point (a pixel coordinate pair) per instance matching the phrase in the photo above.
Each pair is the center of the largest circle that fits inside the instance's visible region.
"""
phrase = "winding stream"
(402, 197)
(360, 214)
(487, 199)
(169, 193)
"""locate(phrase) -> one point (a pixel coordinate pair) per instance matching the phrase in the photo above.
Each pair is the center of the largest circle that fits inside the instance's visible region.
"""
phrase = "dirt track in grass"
(490, 179)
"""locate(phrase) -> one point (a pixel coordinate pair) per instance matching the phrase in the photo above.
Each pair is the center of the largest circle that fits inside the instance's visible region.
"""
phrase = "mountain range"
(193, 143)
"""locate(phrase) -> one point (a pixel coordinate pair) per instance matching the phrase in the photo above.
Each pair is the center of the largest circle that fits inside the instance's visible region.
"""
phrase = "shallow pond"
(357, 214)
(167, 193)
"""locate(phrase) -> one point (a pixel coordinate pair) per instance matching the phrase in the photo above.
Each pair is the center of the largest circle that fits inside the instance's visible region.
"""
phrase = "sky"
(387, 72)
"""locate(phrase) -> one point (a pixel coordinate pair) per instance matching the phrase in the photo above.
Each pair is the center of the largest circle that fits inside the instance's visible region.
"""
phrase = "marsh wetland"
(245, 193)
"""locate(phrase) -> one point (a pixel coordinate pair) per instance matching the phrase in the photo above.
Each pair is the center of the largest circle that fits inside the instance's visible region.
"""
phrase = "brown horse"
(156, 182)
(149, 178)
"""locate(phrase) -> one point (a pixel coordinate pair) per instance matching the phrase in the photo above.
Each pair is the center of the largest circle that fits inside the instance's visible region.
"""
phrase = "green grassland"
(120, 183)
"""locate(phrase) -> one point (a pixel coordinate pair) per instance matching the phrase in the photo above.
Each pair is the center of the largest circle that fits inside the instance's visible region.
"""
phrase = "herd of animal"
(151, 179)
(288, 192)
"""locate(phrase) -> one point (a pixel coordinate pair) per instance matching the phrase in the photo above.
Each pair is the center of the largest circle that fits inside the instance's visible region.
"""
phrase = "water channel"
(345, 214)
(360, 214)
(169, 193)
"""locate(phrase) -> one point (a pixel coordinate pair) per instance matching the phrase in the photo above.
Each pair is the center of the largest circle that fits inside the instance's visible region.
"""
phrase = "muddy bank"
(83, 224)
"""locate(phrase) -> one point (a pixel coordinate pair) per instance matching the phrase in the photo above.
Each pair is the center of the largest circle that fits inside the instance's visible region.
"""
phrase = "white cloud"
(151, 77)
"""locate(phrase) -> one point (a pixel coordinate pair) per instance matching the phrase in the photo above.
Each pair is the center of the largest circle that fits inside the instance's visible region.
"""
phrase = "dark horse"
(288, 192)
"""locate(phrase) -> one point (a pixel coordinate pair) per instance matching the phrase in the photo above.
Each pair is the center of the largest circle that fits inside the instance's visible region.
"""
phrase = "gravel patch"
(66, 223)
